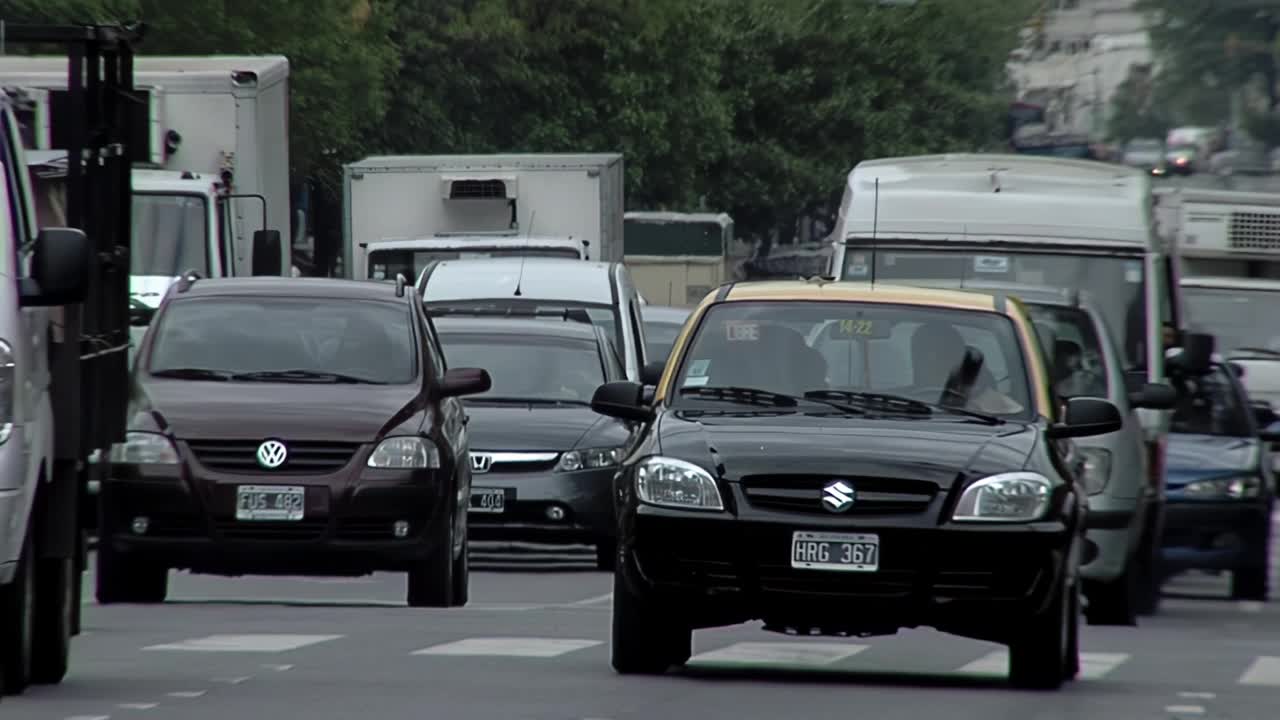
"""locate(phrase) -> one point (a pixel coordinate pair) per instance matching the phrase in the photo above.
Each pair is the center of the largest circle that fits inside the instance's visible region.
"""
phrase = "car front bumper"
(553, 507)
(1214, 535)
(968, 580)
(345, 530)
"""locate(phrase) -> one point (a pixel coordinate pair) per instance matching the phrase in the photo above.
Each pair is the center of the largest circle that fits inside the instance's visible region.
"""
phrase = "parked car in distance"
(542, 462)
(290, 426)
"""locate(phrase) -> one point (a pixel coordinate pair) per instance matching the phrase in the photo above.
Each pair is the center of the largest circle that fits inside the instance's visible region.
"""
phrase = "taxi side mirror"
(623, 400)
(1087, 417)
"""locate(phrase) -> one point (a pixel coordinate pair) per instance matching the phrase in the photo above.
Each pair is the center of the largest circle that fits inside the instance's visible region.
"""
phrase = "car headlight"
(1241, 487)
(1007, 497)
(1096, 470)
(589, 459)
(144, 448)
(404, 453)
(676, 483)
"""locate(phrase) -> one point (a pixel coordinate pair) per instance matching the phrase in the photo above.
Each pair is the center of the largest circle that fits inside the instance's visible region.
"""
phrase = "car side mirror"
(1154, 396)
(1087, 417)
(60, 269)
(651, 373)
(622, 400)
(266, 253)
(465, 381)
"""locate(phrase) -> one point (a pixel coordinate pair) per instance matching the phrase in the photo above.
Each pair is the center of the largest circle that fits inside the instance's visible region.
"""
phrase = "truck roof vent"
(482, 188)
(1254, 231)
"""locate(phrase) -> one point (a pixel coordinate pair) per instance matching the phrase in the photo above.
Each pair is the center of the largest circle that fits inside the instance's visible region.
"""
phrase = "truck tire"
(121, 579)
(56, 604)
(17, 621)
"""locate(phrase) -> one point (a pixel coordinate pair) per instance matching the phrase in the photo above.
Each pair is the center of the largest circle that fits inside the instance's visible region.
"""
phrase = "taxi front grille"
(872, 496)
(1254, 231)
(303, 457)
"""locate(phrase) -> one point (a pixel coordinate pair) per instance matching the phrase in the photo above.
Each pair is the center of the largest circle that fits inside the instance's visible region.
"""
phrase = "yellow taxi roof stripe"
(860, 292)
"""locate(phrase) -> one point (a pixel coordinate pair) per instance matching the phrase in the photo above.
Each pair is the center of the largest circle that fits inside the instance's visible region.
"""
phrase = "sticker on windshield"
(739, 331)
(699, 368)
(990, 264)
(1133, 272)
(857, 267)
(696, 381)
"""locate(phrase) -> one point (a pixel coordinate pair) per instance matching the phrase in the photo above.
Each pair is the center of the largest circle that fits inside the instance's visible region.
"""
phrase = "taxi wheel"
(17, 625)
(462, 576)
(54, 619)
(122, 579)
(432, 582)
(1249, 584)
(1038, 654)
(1072, 669)
(642, 642)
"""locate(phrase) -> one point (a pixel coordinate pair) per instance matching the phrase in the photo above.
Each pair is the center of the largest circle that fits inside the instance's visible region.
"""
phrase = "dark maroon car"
(290, 426)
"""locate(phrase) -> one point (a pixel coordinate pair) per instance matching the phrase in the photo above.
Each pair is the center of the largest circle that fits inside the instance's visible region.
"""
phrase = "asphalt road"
(534, 644)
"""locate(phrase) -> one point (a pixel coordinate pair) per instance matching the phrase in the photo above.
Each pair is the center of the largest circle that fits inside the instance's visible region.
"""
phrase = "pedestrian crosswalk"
(1258, 671)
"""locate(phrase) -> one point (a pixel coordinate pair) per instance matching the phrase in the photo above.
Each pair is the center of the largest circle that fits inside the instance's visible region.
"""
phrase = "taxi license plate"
(270, 502)
(488, 500)
(844, 552)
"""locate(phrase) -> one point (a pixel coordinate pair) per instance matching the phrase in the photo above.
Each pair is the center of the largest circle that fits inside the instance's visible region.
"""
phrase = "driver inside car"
(937, 352)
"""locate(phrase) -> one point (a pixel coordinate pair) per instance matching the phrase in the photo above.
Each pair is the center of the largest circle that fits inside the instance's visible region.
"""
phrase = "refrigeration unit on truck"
(405, 211)
(1228, 248)
(210, 145)
(64, 326)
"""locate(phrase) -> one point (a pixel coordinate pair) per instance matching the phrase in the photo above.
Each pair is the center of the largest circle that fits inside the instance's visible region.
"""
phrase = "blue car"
(1219, 484)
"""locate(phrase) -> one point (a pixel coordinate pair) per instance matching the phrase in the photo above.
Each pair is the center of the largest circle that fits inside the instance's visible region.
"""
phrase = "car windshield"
(659, 337)
(1145, 145)
(602, 316)
(1078, 363)
(1236, 318)
(850, 349)
(1209, 405)
(283, 339)
(386, 264)
(546, 367)
(170, 235)
(1117, 283)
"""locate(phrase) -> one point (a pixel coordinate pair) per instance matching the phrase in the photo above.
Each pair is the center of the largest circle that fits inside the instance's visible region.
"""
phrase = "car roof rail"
(187, 279)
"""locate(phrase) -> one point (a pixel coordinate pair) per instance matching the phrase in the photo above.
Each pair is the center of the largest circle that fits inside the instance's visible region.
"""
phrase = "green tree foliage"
(1135, 111)
(756, 107)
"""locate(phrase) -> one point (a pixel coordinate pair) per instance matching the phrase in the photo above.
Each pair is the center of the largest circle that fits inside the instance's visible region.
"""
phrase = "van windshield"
(170, 235)
(1237, 317)
(1118, 283)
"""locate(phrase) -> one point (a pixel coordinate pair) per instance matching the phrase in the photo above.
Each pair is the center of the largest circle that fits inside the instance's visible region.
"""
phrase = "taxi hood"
(934, 450)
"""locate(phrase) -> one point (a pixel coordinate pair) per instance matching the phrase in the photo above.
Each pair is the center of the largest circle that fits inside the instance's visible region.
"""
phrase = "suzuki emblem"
(838, 496)
(480, 463)
(272, 454)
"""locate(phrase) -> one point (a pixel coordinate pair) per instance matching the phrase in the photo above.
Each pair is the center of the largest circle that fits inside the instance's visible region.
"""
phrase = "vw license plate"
(270, 502)
(835, 551)
(488, 500)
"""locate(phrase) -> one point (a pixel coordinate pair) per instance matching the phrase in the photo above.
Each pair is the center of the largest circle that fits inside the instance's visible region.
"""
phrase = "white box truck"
(211, 150)
(404, 211)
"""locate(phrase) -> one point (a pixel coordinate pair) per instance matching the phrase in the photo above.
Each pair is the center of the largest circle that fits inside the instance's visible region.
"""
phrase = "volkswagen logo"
(480, 462)
(272, 454)
(838, 496)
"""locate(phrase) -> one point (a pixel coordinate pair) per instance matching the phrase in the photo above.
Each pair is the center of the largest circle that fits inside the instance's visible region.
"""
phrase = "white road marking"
(137, 706)
(594, 600)
(1265, 670)
(1185, 709)
(278, 668)
(1250, 606)
(245, 643)
(187, 693)
(232, 680)
(510, 646)
(89, 717)
(779, 653)
(1198, 695)
(1092, 665)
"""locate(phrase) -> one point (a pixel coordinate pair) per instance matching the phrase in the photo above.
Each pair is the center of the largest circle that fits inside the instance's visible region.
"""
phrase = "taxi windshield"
(949, 358)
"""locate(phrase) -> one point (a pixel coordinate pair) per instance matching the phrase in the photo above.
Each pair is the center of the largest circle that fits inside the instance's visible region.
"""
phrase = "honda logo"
(838, 496)
(480, 463)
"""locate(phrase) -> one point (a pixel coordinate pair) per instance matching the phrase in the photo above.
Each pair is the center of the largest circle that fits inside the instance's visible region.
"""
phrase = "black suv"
(290, 426)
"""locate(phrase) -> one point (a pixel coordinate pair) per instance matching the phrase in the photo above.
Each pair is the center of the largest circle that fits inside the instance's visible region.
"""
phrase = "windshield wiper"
(743, 395)
(191, 373)
(303, 376)
(898, 404)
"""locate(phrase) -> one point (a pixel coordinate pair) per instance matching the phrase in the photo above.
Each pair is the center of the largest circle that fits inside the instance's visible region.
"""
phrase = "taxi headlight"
(405, 452)
(1007, 497)
(675, 483)
(144, 448)
(589, 459)
(1241, 487)
(1097, 469)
